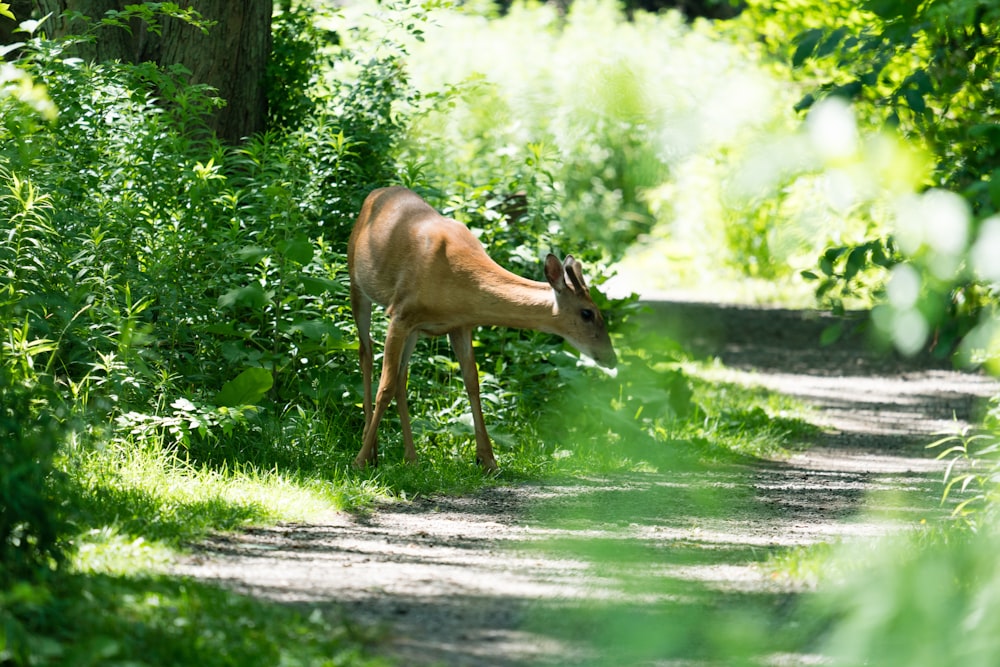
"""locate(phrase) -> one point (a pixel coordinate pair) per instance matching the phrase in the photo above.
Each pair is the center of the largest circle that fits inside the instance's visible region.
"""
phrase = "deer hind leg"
(395, 346)
(410, 452)
(361, 308)
(461, 342)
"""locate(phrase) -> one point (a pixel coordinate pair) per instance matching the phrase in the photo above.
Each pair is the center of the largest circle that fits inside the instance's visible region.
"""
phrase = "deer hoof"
(361, 463)
(489, 467)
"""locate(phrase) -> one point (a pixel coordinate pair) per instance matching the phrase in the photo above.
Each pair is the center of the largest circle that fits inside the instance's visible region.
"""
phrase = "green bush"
(162, 290)
(32, 528)
(176, 264)
(919, 72)
(920, 600)
(177, 273)
(33, 419)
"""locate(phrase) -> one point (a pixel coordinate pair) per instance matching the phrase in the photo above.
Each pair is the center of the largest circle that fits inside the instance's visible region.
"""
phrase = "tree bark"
(232, 57)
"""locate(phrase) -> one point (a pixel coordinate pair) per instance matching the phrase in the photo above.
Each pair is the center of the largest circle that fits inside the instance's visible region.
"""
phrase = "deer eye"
(587, 314)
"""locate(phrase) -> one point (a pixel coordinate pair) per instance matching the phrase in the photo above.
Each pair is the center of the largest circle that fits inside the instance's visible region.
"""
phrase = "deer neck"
(518, 303)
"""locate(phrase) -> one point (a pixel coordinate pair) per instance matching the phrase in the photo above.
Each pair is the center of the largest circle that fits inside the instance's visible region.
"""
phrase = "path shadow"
(644, 568)
(781, 339)
(870, 397)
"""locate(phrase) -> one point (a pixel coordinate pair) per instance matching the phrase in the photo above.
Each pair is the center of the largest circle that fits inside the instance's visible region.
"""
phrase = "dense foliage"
(882, 164)
(923, 72)
(166, 292)
(173, 309)
(163, 292)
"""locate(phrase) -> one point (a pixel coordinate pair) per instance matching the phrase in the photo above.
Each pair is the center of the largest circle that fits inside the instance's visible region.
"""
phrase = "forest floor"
(495, 579)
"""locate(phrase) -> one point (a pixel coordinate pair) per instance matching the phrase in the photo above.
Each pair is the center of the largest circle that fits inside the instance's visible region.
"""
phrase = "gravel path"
(492, 579)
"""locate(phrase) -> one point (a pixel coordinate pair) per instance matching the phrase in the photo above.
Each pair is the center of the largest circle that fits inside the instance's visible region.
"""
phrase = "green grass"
(919, 598)
(91, 619)
(135, 509)
(141, 495)
(140, 501)
(138, 504)
(542, 125)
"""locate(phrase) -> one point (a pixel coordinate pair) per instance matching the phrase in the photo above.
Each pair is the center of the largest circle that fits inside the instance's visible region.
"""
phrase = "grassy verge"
(92, 619)
(141, 491)
(137, 505)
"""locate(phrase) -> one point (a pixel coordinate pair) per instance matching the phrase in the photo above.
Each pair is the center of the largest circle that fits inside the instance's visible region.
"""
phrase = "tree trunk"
(232, 57)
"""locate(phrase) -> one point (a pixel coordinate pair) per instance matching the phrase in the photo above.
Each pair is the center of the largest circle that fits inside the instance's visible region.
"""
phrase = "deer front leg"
(395, 344)
(461, 342)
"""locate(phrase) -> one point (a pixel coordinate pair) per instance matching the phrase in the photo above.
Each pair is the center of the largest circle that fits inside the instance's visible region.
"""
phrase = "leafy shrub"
(295, 64)
(31, 519)
(628, 127)
(160, 265)
(32, 417)
(920, 72)
(972, 478)
(925, 600)
(179, 265)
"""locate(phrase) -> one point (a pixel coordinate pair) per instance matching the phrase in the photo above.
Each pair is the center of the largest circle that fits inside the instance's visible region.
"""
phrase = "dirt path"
(496, 579)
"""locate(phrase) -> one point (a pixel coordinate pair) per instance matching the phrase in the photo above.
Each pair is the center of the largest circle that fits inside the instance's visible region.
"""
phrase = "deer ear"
(574, 271)
(554, 273)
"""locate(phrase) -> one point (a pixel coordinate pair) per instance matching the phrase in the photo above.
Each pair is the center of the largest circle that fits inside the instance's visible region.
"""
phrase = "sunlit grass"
(94, 619)
(135, 510)
(136, 506)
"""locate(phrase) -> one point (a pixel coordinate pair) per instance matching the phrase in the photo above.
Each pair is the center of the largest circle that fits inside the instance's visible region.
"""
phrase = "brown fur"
(434, 278)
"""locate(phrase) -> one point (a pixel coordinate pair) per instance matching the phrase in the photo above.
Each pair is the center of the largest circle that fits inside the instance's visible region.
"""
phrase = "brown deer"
(434, 277)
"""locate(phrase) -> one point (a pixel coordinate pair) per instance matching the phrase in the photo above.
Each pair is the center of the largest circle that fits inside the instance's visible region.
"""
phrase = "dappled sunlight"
(657, 131)
(180, 397)
(928, 401)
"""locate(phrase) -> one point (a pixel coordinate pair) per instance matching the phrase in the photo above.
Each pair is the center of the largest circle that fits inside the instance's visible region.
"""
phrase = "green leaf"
(831, 334)
(832, 41)
(314, 329)
(829, 258)
(921, 81)
(855, 262)
(679, 389)
(995, 188)
(315, 286)
(247, 388)
(915, 100)
(882, 255)
(297, 250)
(848, 90)
(890, 10)
(806, 102)
(30, 26)
(807, 42)
(251, 296)
(221, 329)
(252, 253)
(7, 48)
(5, 10)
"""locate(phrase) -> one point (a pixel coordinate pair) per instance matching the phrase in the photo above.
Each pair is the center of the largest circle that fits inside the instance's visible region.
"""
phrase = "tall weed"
(34, 420)
(173, 290)
(648, 129)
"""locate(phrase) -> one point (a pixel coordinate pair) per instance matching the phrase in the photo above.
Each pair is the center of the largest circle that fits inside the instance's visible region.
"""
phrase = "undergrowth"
(150, 620)
(178, 356)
